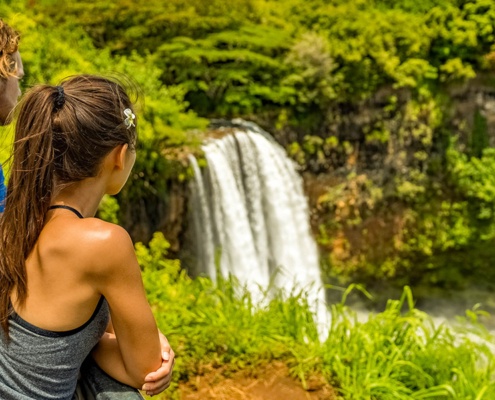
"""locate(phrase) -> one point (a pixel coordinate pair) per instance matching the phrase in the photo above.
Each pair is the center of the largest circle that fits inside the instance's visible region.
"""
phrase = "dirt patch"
(271, 382)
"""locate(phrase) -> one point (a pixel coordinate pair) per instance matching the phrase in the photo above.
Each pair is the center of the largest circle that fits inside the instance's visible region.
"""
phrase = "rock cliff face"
(390, 151)
(166, 215)
(470, 100)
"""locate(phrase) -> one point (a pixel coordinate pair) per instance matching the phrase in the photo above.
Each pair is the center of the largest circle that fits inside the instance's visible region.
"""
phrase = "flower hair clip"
(129, 118)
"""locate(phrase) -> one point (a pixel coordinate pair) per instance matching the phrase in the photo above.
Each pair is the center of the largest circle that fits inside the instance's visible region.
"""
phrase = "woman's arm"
(107, 355)
(159, 380)
(134, 351)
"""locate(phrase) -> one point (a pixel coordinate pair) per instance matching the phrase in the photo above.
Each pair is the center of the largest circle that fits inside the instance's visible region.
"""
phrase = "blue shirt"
(3, 190)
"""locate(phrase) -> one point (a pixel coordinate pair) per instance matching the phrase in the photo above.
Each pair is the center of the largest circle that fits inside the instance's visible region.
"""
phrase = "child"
(71, 283)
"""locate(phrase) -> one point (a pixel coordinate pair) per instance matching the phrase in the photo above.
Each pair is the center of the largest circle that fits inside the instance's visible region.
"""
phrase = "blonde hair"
(9, 44)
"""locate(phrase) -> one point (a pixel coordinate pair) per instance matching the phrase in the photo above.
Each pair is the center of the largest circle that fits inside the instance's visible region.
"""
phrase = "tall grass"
(395, 354)
(402, 354)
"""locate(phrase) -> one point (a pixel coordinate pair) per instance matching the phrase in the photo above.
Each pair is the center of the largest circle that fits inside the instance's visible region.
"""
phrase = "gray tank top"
(37, 364)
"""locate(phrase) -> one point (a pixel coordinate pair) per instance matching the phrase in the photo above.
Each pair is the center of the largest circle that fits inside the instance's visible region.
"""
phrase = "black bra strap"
(67, 208)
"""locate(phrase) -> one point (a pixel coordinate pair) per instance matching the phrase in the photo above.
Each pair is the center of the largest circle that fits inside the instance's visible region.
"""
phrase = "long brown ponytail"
(62, 135)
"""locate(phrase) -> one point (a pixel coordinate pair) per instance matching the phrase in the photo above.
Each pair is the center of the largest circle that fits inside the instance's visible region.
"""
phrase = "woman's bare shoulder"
(109, 243)
(100, 247)
(98, 233)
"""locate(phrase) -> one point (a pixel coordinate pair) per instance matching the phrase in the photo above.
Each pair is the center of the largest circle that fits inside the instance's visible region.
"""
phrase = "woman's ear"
(120, 156)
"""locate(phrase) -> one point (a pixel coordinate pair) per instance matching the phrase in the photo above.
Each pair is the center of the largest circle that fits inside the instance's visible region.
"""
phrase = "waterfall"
(249, 208)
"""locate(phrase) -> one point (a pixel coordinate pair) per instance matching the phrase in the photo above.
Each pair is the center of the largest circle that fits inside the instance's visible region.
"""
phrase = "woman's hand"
(158, 381)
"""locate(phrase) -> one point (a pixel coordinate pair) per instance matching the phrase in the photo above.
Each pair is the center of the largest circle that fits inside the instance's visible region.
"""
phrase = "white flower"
(129, 118)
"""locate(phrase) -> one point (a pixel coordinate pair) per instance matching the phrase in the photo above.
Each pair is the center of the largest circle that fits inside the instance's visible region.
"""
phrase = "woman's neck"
(85, 196)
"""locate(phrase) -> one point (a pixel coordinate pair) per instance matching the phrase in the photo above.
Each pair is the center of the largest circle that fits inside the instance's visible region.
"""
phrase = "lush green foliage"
(244, 55)
(52, 52)
(354, 89)
(298, 67)
(396, 354)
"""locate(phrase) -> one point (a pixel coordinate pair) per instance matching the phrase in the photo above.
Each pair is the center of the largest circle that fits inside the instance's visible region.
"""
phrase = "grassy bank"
(395, 354)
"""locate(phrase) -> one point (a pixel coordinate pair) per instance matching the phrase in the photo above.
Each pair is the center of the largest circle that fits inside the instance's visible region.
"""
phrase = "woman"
(64, 274)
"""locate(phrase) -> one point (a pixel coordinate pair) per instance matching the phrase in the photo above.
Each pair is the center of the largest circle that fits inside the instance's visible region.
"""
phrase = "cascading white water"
(248, 205)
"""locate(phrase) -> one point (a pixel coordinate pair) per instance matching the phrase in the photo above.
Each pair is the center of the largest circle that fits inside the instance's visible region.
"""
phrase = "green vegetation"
(242, 56)
(51, 52)
(359, 90)
(396, 354)
(369, 97)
